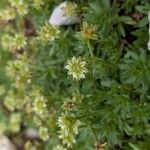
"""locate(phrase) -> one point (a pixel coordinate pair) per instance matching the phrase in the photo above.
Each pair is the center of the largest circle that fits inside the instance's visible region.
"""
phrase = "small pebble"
(5, 144)
(31, 134)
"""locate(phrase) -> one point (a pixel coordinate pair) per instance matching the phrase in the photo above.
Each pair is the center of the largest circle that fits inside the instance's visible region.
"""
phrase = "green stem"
(90, 49)
(86, 115)
(89, 106)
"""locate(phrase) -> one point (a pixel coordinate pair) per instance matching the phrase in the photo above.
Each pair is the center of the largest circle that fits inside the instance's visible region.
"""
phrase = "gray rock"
(31, 134)
(5, 144)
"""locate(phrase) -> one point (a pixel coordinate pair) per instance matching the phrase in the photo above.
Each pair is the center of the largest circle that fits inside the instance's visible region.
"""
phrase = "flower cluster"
(7, 14)
(14, 122)
(43, 132)
(70, 66)
(68, 104)
(73, 102)
(39, 105)
(15, 101)
(19, 70)
(59, 147)
(20, 5)
(6, 42)
(29, 146)
(48, 33)
(38, 3)
(77, 68)
(19, 41)
(10, 102)
(68, 128)
(70, 9)
(87, 33)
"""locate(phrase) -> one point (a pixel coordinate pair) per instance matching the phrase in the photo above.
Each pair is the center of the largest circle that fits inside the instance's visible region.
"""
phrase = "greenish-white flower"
(20, 5)
(22, 9)
(71, 103)
(6, 42)
(87, 33)
(37, 121)
(15, 3)
(19, 41)
(19, 71)
(30, 146)
(7, 14)
(59, 147)
(11, 69)
(14, 101)
(77, 68)
(48, 33)
(38, 3)
(39, 105)
(68, 128)
(9, 101)
(70, 9)
(43, 133)
(68, 104)
(15, 121)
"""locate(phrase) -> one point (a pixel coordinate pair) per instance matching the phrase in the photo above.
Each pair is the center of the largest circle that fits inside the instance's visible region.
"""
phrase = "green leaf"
(133, 146)
(127, 20)
(143, 22)
(121, 30)
(143, 9)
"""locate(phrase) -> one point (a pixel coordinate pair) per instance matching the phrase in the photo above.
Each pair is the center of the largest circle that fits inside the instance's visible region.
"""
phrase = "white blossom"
(76, 68)
(69, 126)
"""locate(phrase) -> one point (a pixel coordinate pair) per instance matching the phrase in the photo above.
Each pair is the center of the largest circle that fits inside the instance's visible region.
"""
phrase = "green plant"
(84, 86)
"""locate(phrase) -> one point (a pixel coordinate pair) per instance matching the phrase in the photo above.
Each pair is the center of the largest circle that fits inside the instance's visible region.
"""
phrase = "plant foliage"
(82, 87)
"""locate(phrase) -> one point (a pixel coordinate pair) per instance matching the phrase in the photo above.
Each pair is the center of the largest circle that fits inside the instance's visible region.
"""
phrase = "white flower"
(15, 121)
(59, 147)
(48, 33)
(76, 68)
(7, 14)
(6, 41)
(43, 132)
(19, 41)
(20, 5)
(10, 102)
(39, 105)
(59, 16)
(68, 104)
(68, 128)
(38, 3)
